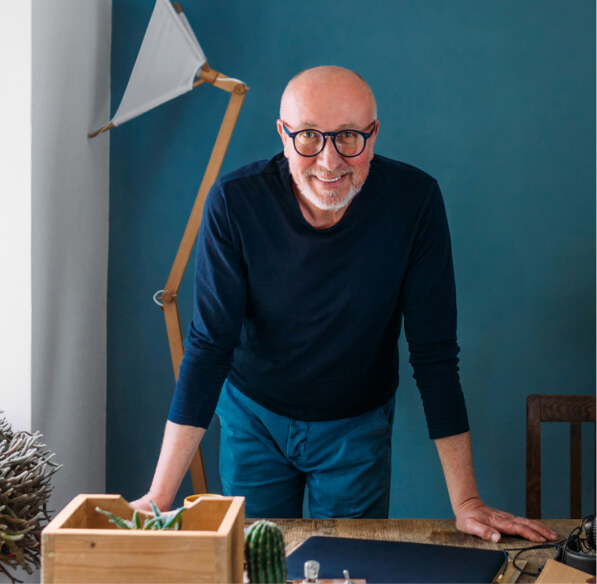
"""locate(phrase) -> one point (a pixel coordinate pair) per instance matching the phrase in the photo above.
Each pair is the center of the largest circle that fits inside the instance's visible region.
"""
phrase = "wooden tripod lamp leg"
(171, 315)
(185, 250)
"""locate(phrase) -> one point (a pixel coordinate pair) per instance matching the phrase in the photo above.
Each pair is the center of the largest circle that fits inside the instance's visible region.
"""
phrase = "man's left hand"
(476, 518)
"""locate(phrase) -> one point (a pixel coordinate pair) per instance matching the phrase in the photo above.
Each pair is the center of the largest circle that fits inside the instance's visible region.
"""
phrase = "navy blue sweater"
(306, 321)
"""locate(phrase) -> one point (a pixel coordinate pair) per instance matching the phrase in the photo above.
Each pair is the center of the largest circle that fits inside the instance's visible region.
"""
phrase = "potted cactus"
(264, 553)
(25, 472)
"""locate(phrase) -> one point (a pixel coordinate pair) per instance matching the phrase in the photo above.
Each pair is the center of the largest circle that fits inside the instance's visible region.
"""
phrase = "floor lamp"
(168, 298)
(168, 38)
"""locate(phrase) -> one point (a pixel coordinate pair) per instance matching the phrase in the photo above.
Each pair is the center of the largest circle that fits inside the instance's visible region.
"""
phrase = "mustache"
(326, 174)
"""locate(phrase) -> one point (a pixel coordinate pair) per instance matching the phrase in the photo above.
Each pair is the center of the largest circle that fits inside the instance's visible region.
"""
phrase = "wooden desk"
(435, 531)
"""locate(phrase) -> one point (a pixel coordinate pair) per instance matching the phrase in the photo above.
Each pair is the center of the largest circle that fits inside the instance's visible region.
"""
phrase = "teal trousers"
(270, 460)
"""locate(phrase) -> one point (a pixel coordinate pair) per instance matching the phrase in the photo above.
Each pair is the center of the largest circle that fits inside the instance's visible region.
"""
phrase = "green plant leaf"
(118, 521)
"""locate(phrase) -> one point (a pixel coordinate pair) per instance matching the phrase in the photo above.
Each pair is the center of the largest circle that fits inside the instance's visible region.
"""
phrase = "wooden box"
(82, 545)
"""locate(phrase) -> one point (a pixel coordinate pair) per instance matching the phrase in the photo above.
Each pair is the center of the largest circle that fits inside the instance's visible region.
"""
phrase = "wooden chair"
(574, 409)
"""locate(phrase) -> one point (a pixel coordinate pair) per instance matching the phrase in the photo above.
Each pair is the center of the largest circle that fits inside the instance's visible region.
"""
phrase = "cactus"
(159, 520)
(264, 553)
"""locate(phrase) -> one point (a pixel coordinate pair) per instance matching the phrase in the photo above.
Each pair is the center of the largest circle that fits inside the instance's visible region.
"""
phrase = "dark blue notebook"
(393, 561)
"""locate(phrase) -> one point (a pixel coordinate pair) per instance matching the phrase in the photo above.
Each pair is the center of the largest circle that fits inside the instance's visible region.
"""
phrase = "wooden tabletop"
(434, 531)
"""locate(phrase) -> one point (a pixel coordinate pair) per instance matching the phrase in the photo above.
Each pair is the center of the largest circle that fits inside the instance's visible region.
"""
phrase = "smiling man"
(326, 180)
(307, 267)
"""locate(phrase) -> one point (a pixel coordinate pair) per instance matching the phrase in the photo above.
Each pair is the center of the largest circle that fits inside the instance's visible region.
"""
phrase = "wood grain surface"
(434, 531)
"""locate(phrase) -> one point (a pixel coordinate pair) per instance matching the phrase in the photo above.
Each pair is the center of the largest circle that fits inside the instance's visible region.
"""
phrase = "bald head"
(330, 100)
(327, 82)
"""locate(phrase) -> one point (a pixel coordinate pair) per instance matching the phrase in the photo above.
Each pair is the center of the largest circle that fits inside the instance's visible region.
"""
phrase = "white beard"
(327, 200)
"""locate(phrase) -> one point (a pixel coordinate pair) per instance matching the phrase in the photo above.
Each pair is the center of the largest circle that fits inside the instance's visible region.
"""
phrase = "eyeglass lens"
(311, 142)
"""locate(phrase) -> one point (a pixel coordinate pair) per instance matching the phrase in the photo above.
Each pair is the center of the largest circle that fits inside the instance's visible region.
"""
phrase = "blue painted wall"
(496, 99)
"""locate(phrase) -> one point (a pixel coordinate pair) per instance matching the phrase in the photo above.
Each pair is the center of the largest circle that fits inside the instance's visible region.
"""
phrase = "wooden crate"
(81, 545)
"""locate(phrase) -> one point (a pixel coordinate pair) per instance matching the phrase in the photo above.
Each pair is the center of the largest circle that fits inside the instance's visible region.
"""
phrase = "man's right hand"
(142, 504)
(178, 447)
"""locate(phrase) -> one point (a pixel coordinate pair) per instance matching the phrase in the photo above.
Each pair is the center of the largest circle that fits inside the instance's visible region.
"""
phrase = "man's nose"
(329, 156)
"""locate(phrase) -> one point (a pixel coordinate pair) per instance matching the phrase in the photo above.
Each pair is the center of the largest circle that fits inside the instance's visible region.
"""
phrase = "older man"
(307, 265)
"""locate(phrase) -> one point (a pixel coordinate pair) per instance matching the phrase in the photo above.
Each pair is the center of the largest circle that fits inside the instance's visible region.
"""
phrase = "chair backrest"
(574, 409)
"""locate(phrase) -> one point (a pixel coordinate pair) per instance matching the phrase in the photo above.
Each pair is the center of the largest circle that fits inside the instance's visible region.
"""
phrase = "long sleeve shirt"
(306, 321)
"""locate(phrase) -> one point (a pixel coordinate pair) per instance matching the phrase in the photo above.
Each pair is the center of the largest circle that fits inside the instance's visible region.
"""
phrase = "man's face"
(329, 181)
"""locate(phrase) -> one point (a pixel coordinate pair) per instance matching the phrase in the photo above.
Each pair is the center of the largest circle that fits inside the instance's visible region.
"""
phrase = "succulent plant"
(25, 473)
(171, 520)
(264, 553)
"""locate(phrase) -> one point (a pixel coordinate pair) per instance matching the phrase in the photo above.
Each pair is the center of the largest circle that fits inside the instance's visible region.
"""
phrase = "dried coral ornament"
(25, 472)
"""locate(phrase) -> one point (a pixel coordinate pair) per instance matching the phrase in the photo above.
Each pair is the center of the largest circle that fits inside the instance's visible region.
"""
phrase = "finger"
(503, 521)
(536, 526)
(543, 529)
(482, 530)
(523, 527)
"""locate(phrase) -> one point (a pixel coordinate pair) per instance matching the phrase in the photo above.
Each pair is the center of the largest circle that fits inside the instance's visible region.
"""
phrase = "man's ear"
(283, 134)
(371, 141)
(375, 131)
(280, 128)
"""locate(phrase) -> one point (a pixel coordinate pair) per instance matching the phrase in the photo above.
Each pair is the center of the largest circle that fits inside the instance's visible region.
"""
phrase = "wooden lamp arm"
(238, 91)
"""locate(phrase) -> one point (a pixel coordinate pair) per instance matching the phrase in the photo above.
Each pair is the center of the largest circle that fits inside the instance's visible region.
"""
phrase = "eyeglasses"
(348, 143)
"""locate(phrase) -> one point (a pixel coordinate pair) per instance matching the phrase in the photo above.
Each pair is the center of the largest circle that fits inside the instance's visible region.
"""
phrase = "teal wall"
(496, 99)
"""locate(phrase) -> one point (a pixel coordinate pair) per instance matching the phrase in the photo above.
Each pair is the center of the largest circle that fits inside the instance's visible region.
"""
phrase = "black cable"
(587, 543)
(565, 542)
(575, 532)
(520, 551)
